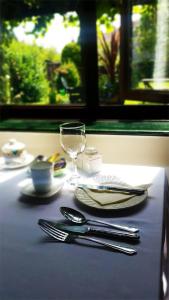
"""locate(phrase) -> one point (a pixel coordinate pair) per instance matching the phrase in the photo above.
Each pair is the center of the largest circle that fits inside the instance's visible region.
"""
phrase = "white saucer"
(16, 165)
(29, 190)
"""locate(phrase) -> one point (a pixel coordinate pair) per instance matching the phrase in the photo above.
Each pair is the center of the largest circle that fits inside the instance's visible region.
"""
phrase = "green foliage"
(27, 71)
(71, 19)
(109, 54)
(144, 39)
(49, 54)
(6, 31)
(108, 90)
(106, 7)
(69, 72)
(109, 78)
(4, 77)
(71, 52)
(106, 19)
(32, 3)
(62, 99)
(41, 24)
(108, 49)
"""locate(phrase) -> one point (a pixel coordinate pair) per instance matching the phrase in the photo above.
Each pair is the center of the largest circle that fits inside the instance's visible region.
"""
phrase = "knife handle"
(126, 190)
(113, 233)
(115, 247)
(116, 226)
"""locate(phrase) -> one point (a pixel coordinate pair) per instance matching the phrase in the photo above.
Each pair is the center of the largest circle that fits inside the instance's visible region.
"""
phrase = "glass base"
(73, 180)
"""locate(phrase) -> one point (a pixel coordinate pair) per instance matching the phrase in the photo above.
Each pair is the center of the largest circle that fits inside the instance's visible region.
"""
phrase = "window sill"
(154, 128)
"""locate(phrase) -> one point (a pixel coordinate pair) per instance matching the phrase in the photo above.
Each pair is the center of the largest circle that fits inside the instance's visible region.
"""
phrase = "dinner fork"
(63, 236)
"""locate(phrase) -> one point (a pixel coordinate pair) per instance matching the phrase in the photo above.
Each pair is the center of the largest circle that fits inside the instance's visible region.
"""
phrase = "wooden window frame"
(92, 110)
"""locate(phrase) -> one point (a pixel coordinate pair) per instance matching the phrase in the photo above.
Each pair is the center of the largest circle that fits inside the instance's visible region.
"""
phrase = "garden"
(33, 74)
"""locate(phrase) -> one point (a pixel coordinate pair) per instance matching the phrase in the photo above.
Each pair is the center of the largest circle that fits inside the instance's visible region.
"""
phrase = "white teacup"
(42, 174)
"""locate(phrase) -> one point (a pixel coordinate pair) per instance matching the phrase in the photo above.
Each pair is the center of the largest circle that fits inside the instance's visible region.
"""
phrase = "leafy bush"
(109, 68)
(144, 41)
(69, 72)
(28, 75)
(71, 52)
(50, 54)
(109, 54)
(62, 99)
(108, 90)
(4, 77)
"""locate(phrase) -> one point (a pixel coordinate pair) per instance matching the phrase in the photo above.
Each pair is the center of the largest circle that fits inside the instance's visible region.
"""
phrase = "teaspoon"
(78, 218)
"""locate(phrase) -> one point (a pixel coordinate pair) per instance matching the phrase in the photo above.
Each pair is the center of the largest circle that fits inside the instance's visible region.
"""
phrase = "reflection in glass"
(150, 46)
(161, 66)
(73, 142)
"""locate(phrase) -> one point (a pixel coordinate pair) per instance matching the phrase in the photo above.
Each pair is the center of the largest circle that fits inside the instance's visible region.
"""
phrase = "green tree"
(144, 39)
(69, 72)
(28, 74)
(4, 77)
(71, 52)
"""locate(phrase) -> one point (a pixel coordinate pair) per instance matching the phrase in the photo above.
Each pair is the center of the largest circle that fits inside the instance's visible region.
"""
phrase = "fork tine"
(50, 225)
(52, 228)
(52, 231)
(51, 234)
(55, 233)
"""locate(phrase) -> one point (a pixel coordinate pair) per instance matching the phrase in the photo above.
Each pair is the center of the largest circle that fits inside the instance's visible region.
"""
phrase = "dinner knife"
(128, 190)
(84, 229)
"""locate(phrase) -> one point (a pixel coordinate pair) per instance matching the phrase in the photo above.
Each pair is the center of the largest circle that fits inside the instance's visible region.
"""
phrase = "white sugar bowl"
(90, 161)
(13, 150)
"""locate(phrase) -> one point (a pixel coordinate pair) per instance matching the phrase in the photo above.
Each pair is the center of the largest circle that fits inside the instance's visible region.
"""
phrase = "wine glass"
(73, 142)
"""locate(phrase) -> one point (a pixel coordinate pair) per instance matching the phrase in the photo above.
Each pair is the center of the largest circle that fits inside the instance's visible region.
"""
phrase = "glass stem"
(74, 166)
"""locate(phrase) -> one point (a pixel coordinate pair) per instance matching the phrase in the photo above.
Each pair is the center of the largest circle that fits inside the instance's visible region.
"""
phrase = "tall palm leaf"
(109, 53)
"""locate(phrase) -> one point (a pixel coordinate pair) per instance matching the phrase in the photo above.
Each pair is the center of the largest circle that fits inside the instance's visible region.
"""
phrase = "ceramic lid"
(12, 145)
(91, 151)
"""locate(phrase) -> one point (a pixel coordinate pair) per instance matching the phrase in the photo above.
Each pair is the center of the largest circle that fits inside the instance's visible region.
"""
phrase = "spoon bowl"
(77, 217)
(73, 215)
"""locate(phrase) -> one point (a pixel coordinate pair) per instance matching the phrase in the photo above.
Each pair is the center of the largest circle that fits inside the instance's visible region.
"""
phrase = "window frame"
(92, 110)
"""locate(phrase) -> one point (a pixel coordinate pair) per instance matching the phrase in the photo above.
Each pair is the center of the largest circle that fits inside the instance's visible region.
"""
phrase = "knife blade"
(84, 229)
(128, 190)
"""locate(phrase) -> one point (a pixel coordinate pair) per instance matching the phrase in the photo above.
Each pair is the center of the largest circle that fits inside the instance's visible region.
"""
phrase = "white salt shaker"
(90, 161)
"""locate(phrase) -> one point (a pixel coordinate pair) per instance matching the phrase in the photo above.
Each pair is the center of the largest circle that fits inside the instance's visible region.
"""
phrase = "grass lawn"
(155, 86)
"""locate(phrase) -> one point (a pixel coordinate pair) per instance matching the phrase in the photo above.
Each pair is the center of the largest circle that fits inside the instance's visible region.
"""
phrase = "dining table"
(34, 266)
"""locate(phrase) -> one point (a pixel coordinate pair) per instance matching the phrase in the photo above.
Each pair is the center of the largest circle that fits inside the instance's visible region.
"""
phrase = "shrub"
(108, 90)
(71, 52)
(28, 75)
(69, 72)
(4, 77)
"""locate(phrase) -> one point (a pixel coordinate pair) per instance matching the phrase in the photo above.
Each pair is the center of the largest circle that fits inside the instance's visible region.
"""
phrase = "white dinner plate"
(84, 198)
(16, 165)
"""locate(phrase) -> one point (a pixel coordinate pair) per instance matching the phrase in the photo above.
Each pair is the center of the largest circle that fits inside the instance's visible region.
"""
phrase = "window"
(108, 49)
(43, 61)
(111, 64)
(150, 43)
(144, 35)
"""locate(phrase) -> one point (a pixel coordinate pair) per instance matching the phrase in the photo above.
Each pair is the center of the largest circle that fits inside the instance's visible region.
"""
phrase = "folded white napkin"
(107, 197)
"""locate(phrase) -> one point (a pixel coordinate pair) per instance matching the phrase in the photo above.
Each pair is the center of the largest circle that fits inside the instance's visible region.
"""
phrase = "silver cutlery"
(77, 217)
(126, 190)
(63, 236)
(84, 229)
